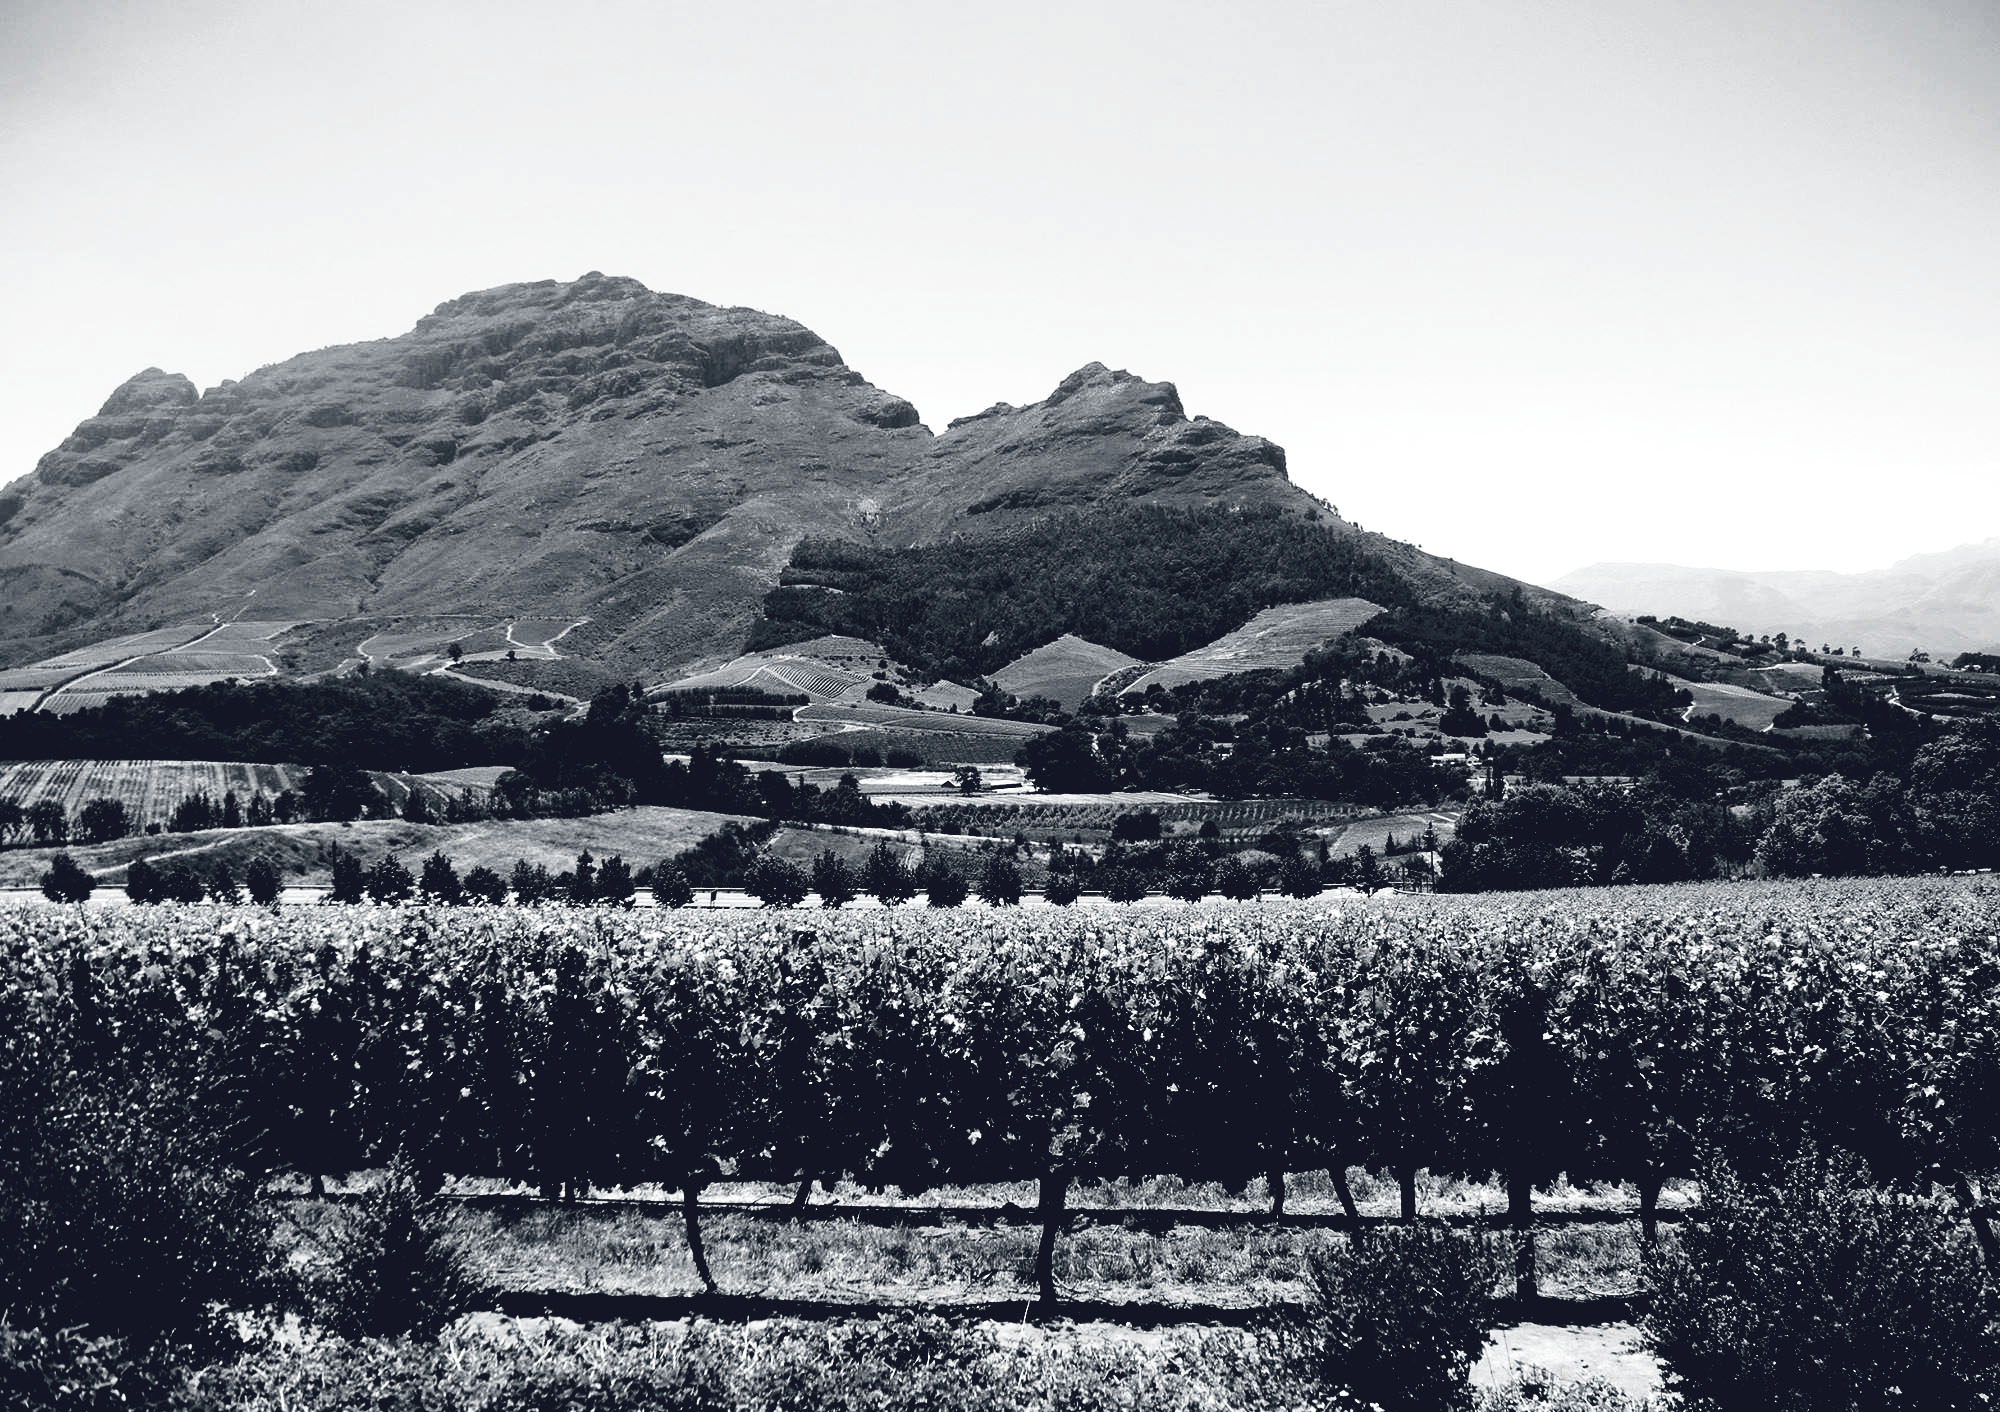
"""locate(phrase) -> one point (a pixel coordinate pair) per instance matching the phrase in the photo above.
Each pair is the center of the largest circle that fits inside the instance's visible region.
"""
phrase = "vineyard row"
(1624, 1038)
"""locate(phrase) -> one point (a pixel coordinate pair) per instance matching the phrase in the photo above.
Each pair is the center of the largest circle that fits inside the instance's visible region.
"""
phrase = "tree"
(1298, 878)
(583, 880)
(192, 813)
(350, 880)
(389, 881)
(670, 886)
(440, 880)
(1124, 884)
(833, 880)
(1065, 761)
(232, 810)
(944, 885)
(66, 882)
(336, 793)
(263, 880)
(777, 882)
(415, 809)
(1000, 882)
(1235, 879)
(181, 883)
(48, 823)
(1062, 890)
(967, 779)
(888, 881)
(531, 882)
(223, 887)
(482, 884)
(13, 819)
(102, 820)
(614, 882)
(1367, 870)
(143, 883)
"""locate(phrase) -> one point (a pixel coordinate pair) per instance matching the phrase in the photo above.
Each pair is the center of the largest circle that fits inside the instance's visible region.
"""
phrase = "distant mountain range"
(592, 450)
(1943, 603)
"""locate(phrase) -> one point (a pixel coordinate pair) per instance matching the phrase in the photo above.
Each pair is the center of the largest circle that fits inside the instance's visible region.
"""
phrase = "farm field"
(1092, 815)
(869, 713)
(1516, 673)
(1277, 638)
(1753, 710)
(1065, 670)
(785, 670)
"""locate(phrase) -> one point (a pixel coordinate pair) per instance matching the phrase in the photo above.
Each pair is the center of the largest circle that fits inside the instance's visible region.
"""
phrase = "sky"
(1530, 283)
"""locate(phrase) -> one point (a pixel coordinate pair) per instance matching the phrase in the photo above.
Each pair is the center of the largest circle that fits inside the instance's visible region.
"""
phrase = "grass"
(1125, 1244)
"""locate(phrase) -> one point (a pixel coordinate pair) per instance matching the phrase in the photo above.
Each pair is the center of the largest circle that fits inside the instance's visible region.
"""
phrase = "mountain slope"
(590, 450)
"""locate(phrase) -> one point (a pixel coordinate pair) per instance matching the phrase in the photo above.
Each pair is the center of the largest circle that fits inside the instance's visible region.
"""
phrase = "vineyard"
(1617, 1038)
(1000, 816)
(149, 789)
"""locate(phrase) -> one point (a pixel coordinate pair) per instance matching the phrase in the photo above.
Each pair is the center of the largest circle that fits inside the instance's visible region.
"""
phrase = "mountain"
(590, 449)
(1944, 603)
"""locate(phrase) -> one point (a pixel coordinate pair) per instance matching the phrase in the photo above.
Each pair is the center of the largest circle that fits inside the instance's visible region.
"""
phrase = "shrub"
(223, 887)
(350, 880)
(670, 886)
(1817, 1293)
(885, 877)
(1398, 1318)
(397, 1268)
(66, 882)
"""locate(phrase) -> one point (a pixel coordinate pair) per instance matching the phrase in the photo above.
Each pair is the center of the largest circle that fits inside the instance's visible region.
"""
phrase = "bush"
(1398, 1318)
(1063, 890)
(1818, 1293)
(397, 1268)
(440, 882)
(389, 881)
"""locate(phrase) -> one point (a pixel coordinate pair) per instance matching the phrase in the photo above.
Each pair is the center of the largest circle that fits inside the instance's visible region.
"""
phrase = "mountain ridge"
(647, 461)
(1943, 603)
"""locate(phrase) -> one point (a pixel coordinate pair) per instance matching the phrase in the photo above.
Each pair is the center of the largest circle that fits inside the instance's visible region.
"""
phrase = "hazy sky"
(1530, 284)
